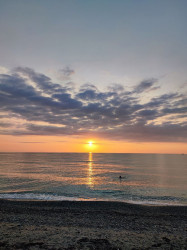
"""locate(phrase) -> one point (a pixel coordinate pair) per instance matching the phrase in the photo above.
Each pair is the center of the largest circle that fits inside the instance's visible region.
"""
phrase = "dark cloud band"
(114, 113)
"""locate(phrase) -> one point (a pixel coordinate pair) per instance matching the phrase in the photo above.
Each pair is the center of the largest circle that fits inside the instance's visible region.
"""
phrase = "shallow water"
(146, 178)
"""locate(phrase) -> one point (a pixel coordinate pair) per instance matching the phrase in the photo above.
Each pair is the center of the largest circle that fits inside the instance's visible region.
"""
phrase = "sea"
(152, 179)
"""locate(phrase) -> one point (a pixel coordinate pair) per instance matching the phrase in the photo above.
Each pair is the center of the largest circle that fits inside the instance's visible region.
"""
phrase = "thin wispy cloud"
(67, 71)
(48, 108)
(32, 142)
(146, 85)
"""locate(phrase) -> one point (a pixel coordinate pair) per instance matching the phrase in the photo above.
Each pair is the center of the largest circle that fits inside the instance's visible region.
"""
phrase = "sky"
(110, 72)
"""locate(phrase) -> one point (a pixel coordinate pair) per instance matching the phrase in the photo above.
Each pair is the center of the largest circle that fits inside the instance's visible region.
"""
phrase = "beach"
(90, 225)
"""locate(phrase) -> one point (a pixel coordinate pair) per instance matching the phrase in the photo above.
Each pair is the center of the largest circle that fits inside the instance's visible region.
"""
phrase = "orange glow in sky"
(96, 145)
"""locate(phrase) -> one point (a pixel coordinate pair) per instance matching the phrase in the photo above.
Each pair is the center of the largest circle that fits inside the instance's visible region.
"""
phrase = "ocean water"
(146, 178)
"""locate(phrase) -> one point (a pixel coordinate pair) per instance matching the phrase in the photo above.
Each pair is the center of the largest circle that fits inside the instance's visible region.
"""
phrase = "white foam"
(155, 203)
(32, 196)
(52, 197)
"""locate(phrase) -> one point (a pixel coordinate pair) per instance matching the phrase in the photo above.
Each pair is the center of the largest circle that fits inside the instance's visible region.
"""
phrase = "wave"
(33, 196)
(54, 197)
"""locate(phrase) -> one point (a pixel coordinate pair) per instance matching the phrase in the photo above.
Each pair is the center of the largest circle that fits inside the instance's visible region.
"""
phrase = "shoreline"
(139, 203)
(90, 225)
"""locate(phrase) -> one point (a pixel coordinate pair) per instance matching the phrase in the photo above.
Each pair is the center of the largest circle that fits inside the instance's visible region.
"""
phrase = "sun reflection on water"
(90, 170)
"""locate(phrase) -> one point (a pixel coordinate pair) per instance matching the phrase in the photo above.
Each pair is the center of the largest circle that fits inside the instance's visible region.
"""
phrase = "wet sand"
(91, 225)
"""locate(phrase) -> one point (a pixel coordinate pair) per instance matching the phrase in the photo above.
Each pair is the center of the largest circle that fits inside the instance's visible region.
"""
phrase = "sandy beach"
(90, 225)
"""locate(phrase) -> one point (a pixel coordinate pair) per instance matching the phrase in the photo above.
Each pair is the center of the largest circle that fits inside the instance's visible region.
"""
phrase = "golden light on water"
(90, 170)
(90, 157)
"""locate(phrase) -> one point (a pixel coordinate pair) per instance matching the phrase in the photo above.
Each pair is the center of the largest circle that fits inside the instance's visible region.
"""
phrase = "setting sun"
(90, 146)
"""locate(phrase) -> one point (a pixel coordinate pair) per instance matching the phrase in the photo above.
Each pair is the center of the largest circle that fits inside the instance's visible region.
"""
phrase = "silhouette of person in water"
(120, 177)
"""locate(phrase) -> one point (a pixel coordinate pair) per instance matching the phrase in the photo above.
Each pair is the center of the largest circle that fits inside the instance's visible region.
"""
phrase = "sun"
(90, 146)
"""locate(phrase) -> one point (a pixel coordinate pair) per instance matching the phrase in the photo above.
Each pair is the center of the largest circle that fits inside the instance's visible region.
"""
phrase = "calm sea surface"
(146, 178)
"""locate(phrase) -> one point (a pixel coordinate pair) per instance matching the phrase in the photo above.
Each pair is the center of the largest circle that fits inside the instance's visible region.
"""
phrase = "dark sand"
(90, 225)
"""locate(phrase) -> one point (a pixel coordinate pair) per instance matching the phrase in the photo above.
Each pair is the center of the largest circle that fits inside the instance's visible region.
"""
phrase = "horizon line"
(2, 152)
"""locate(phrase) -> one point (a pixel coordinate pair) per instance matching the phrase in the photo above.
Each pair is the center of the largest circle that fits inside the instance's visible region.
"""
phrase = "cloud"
(146, 85)
(5, 124)
(67, 71)
(32, 142)
(34, 99)
(3, 70)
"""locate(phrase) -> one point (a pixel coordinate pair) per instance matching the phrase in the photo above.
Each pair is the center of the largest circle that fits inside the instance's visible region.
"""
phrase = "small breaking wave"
(33, 196)
(55, 197)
